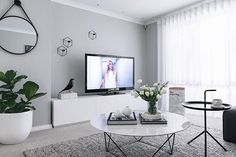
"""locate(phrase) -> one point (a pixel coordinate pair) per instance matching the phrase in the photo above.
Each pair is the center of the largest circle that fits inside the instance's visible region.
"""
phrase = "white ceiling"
(139, 11)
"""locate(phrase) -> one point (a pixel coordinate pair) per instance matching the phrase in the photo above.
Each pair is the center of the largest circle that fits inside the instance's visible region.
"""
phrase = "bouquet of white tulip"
(151, 94)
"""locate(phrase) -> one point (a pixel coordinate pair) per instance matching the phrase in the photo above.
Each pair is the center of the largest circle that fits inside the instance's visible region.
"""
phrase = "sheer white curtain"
(197, 50)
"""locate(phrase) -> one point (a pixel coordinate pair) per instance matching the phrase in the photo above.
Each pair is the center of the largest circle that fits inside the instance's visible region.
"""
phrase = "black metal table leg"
(105, 139)
(171, 151)
(110, 138)
(171, 145)
(205, 130)
(107, 144)
(217, 141)
(138, 140)
(205, 134)
(196, 137)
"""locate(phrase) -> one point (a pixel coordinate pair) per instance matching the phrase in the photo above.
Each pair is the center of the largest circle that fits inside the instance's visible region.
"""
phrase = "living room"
(168, 59)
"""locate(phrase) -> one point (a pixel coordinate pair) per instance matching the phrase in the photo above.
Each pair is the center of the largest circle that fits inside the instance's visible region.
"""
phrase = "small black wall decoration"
(67, 42)
(92, 35)
(63, 49)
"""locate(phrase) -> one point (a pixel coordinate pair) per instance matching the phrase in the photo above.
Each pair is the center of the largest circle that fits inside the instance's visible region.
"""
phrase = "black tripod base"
(211, 137)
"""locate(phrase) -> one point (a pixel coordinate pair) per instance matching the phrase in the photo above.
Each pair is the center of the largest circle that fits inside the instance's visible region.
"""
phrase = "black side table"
(205, 106)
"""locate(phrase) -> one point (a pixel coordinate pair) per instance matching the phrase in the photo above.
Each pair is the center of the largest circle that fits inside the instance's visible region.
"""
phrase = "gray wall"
(114, 36)
(151, 50)
(37, 63)
(52, 71)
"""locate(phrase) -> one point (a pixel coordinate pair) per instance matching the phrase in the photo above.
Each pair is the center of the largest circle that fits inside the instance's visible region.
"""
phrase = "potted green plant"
(16, 107)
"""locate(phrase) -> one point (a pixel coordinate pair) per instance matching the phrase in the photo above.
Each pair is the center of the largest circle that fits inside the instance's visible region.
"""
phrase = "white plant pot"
(15, 127)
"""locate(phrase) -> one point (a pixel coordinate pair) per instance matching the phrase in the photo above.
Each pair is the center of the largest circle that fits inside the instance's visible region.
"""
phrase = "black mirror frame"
(30, 24)
(18, 3)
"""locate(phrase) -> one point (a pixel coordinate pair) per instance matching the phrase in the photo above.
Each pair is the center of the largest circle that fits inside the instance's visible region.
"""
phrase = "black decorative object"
(14, 22)
(92, 35)
(69, 86)
(62, 50)
(67, 42)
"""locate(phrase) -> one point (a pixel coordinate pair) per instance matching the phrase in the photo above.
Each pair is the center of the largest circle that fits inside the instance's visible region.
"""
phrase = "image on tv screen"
(109, 72)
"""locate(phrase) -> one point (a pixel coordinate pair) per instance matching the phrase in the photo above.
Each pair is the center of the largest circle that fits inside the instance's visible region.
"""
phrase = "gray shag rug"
(93, 146)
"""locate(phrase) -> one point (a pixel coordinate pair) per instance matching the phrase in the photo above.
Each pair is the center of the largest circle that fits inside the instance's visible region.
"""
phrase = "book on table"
(123, 120)
(153, 121)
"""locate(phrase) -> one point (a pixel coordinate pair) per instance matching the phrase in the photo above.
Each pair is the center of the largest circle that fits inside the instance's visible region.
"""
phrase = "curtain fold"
(197, 50)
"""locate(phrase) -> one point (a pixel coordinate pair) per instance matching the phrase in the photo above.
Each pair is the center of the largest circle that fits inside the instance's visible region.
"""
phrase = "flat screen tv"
(106, 72)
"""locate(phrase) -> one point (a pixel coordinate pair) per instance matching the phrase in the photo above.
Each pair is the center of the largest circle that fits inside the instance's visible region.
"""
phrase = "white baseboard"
(41, 127)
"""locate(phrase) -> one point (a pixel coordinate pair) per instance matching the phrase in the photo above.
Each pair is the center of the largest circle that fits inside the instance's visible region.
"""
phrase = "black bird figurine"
(69, 86)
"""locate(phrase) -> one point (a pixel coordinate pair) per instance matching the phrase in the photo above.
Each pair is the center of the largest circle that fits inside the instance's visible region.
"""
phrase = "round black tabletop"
(199, 105)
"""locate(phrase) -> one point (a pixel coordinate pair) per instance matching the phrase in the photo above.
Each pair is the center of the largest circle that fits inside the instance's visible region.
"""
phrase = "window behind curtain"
(198, 50)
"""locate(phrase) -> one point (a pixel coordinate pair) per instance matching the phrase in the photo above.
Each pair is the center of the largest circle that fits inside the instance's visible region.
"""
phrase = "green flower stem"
(152, 109)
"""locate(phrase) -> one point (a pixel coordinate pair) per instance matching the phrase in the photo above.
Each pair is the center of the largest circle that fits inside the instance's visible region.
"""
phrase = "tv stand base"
(111, 93)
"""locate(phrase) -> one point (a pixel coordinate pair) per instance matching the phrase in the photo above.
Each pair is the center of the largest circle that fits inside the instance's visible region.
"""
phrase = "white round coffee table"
(176, 123)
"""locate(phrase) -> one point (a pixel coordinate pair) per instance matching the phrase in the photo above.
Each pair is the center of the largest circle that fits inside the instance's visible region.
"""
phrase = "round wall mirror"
(17, 35)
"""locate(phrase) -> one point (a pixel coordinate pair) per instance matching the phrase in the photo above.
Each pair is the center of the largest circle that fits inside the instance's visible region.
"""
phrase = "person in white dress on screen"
(110, 77)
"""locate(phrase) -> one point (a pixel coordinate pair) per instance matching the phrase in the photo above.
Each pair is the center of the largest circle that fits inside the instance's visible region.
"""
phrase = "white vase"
(15, 127)
(117, 114)
(127, 111)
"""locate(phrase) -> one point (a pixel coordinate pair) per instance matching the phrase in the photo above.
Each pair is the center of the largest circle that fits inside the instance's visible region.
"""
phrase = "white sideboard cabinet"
(84, 107)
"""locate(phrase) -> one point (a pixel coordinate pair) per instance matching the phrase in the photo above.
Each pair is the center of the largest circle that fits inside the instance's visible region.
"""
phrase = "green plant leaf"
(21, 91)
(5, 92)
(25, 102)
(2, 77)
(9, 96)
(15, 96)
(10, 103)
(30, 107)
(22, 100)
(18, 78)
(10, 75)
(37, 95)
(2, 107)
(19, 107)
(30, 89)
(17, 101)
(5, 86)
(16, 109)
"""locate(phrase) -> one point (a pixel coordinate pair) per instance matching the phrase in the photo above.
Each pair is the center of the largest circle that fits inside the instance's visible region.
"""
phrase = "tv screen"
(104, 72)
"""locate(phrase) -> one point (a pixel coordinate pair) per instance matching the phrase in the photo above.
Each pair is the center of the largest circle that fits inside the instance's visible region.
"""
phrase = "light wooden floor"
(46, 137)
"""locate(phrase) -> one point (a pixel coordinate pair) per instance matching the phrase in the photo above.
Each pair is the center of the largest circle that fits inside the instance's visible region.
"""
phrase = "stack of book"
(161, 120)
(123, 120)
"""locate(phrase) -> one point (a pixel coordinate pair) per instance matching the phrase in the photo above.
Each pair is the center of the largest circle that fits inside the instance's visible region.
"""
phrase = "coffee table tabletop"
(176, 123)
